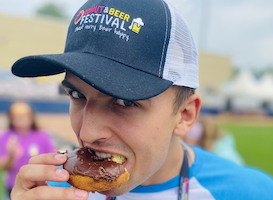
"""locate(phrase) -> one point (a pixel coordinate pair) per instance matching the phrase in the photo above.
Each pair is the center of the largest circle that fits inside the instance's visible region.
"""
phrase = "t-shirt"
(211, 178)
(33, 143)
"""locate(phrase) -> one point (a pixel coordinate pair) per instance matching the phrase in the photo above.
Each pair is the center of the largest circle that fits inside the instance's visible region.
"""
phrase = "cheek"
(150, 139)
(148, 132)
(160, 128)
(150, 145)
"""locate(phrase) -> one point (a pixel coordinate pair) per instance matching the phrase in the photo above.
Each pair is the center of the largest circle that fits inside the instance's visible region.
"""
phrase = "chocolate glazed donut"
(92, 173)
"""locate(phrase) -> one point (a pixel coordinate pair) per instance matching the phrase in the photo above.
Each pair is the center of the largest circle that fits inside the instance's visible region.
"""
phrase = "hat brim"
(106, 75)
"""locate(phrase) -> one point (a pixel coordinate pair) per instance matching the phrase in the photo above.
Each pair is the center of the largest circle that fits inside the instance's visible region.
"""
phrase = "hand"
(31, 180)
(12, 145)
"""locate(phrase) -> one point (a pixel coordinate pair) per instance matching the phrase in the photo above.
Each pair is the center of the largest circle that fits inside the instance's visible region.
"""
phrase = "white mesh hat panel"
(181, 65)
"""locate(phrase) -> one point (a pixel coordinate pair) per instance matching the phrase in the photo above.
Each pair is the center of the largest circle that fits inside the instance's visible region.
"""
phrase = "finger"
(31, 176)
(48, 159)
(54, 193)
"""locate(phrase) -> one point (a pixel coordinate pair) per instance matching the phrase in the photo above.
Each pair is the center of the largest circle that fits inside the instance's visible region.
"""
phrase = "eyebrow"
(67, 84)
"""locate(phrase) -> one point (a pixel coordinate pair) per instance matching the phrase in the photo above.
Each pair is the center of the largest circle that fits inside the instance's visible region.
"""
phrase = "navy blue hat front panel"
(133, 33)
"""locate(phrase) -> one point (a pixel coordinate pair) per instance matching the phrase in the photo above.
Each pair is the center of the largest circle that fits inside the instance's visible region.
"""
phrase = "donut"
(95, 172)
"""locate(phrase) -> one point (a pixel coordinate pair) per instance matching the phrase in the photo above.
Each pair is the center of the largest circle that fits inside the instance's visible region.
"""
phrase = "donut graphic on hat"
(136, 25)
(79, 16)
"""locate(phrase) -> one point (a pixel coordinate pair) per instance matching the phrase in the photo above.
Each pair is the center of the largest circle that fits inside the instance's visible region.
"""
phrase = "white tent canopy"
(265, 87)
(246, 85)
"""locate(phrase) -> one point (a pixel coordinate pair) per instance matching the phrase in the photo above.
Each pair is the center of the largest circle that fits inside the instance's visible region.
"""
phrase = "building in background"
(20, 37)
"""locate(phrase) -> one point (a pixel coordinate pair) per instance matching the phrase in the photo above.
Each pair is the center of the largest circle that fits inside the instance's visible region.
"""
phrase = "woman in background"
(22, 140)
(206, 134)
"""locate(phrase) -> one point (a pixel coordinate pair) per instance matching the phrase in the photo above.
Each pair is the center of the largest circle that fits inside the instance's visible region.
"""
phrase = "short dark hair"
(182, 94)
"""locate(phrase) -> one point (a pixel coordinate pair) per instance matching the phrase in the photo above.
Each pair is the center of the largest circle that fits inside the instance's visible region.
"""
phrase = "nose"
(96, 127)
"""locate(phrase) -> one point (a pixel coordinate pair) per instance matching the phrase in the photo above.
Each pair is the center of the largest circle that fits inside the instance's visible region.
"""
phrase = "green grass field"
(255, 144)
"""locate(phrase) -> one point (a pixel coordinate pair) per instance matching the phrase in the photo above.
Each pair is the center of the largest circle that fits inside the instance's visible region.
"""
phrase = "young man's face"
(141, 131)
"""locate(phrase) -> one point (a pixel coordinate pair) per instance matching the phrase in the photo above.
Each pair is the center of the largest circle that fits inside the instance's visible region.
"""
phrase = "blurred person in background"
(206, 134)
(22, 140)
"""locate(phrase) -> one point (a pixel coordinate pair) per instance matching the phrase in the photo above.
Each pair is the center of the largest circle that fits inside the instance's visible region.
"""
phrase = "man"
(131, 69)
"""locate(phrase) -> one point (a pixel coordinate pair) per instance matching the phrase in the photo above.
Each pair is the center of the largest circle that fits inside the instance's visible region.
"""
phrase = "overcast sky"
(241, 29)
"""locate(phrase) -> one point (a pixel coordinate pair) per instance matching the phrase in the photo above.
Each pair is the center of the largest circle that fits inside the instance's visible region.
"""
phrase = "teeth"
(115, 158)
(103, 155)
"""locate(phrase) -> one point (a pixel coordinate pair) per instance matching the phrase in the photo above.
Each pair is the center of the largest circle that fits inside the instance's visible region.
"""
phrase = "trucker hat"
(128, 49)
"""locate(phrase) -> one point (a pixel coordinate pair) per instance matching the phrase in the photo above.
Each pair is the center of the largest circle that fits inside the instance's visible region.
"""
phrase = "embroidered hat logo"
(111, 20)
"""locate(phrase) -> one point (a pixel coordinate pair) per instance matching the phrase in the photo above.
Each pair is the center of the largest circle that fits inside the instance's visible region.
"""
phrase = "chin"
(117, 191)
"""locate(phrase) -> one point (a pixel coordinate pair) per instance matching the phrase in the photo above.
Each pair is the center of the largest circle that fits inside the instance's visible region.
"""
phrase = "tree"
(51, 9)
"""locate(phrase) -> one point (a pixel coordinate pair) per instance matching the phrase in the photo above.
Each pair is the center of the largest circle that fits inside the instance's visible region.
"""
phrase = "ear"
(187, 115)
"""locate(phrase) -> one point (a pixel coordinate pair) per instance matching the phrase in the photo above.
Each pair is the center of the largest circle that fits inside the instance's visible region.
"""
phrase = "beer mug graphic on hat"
(136, 25)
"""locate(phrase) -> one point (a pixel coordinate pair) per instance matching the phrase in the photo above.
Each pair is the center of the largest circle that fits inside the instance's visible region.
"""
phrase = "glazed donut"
(94, 172)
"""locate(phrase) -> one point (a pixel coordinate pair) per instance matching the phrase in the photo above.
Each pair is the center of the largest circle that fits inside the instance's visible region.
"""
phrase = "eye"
(76, 95)
(125, 103)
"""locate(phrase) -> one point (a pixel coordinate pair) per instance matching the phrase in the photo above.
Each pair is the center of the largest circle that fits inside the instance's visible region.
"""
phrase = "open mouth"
(115, 158)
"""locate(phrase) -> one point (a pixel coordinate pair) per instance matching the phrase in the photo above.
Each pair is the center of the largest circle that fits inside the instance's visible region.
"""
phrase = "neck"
(172, 165)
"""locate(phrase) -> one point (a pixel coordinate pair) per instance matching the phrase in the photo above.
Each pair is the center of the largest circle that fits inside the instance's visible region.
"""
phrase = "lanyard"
(183, 189)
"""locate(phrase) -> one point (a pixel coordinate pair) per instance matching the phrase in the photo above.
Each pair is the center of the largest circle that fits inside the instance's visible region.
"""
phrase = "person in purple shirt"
(22, 140)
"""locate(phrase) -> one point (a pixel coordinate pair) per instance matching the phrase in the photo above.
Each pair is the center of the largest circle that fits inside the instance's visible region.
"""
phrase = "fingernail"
(61, 173)
(81, 193)
(59, 156)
